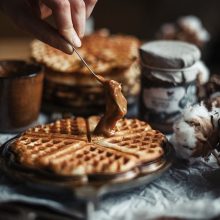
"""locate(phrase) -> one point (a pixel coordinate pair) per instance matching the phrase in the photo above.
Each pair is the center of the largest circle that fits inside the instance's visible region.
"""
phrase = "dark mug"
(21, 85)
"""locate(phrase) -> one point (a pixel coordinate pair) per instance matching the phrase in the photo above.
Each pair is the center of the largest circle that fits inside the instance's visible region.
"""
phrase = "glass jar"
(168, 82)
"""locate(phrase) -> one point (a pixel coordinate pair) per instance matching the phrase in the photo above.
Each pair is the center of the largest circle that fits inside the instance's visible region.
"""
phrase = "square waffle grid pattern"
(40, 151)
(125, 126)
(74, 127)
(92, 159)
(102, 52)
(54, 147)
(146, 145)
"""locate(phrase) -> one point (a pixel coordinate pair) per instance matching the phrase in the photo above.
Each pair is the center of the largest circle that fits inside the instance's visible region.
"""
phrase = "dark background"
(144, 17)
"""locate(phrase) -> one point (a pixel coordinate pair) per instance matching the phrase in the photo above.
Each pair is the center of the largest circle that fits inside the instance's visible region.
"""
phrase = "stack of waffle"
(68, 147)
(69, 83)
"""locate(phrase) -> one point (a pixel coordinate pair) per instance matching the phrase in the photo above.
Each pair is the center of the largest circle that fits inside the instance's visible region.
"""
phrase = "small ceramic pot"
(21, 86)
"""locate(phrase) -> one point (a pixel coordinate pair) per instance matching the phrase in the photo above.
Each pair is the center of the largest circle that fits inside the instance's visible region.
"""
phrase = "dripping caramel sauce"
(115, 109)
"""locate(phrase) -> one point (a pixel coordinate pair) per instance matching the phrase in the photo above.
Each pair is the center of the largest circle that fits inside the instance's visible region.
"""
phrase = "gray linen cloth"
(189, 191)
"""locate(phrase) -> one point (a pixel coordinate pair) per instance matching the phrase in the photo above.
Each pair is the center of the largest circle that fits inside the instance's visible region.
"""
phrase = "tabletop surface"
(185, 191)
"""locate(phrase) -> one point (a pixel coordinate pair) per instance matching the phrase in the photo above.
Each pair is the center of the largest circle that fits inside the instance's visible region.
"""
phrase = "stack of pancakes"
(68, 147)
(68, 82)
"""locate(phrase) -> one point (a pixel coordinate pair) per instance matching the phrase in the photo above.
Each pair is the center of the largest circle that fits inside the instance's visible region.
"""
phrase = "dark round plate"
(44, 180)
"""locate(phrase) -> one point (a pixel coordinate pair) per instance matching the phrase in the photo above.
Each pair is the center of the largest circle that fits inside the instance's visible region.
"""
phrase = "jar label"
(164, 104)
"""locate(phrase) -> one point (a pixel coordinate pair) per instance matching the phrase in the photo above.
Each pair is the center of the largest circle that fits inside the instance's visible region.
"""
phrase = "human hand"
(69, 15)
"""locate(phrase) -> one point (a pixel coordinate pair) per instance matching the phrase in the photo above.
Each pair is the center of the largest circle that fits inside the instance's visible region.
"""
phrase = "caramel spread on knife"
(116, 107)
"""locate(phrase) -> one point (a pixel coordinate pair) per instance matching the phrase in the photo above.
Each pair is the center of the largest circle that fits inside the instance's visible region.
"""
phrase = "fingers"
(90, 4)
(62, 13)
(42, 31)
(45, 11)
(49, 35)
(70, 17)
(78, 12)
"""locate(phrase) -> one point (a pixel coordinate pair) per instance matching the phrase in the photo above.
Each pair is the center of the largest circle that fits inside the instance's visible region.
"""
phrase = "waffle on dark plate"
(68, 147)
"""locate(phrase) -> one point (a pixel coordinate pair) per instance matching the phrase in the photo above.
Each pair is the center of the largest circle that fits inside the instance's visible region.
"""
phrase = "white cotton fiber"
(184, 137)
(185, 134)
(191, 22)
(196, 111)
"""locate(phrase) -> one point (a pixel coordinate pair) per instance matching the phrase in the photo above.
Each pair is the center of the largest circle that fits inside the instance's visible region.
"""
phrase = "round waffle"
(103, 53)
(68, 147)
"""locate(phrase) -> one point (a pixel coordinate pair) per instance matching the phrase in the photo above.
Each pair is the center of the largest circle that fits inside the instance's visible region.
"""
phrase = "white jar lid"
(169, 54)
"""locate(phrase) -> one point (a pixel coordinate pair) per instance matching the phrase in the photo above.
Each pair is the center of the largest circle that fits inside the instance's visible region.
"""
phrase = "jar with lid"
(168, 81)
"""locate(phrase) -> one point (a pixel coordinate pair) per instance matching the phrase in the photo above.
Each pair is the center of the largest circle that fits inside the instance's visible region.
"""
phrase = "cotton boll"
(196, 111)
(194, 25)
(183, 139)
(185, 134)
(186, 28)
(203, 35)
(196, 133)
(190, 22)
